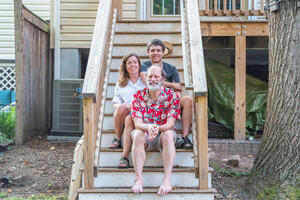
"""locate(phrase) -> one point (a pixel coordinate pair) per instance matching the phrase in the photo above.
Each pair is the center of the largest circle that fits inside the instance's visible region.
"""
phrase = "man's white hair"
(163, 73)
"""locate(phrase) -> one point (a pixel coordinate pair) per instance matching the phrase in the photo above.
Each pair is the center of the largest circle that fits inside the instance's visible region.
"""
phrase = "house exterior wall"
(7, 34)
(77, 20)
(130, 10)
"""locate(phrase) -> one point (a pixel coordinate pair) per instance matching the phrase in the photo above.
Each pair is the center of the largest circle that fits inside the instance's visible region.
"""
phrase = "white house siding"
(77, 20)
(130, 10)
(7, 41)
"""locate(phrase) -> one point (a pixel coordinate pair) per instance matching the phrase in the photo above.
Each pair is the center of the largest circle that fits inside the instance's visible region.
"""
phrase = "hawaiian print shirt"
(155, 111)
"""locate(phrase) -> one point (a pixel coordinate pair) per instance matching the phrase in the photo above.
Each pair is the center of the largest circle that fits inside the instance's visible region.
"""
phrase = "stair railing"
(233, 8)
(105, 86)
(198, 80)
(93, 83)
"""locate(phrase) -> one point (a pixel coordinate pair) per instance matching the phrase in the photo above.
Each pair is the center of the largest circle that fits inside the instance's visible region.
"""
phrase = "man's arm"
(151, 128)
(143, 77)
(175, 86)
(140, 125)
(167, 126)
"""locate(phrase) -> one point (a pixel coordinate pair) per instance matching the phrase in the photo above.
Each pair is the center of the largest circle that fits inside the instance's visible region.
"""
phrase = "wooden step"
(142, 44)
(142, 38)
(108, 123)
(140, 50)
(148, 194)
(113, 76)
(117, 70)
(142, 32)
(116, 61)
(108, 136)
(111, 157)
(142, 27)
(149, 21)
(111, 89)
(153, 177)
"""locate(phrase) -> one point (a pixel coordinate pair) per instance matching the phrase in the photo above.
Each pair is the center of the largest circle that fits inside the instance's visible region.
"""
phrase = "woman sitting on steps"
(128, 83)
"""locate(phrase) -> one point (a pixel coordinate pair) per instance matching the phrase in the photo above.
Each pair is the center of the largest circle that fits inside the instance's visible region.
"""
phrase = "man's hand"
(152, 131)
(175, 86)
(128, 106)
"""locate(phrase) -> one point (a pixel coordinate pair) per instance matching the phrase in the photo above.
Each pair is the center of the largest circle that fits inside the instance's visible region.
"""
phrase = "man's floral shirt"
(155, 111)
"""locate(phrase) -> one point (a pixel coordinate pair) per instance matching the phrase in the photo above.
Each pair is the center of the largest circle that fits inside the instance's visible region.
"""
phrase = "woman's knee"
(121, 111)
(129, 121)
(186, 101)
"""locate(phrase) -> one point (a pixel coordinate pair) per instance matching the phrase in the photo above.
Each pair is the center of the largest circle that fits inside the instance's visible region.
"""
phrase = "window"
(166, 7)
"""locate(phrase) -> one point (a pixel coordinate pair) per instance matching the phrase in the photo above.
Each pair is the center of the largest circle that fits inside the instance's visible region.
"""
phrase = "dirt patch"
(42, 167)
(228, 180)
(37, 167)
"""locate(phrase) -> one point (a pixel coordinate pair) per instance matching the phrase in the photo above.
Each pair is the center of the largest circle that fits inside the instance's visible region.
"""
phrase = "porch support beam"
(240, 88)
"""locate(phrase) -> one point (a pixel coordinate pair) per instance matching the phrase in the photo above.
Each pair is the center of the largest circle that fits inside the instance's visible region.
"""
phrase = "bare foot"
(138, 187)
(165, 188)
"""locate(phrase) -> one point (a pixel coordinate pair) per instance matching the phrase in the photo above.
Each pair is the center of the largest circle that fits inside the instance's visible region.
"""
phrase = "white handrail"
(99, 40)
(196, 48)
(185, 53)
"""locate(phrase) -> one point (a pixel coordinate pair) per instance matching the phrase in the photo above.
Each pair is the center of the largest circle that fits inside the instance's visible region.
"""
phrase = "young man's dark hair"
(156, 42)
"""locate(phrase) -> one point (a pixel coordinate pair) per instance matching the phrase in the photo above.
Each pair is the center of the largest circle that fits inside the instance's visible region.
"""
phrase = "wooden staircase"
(101, 177)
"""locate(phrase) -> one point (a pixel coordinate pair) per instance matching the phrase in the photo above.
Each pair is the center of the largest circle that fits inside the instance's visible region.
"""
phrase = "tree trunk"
(278, 160)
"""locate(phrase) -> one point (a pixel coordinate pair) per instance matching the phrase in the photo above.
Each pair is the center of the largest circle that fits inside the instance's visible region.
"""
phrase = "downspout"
(56, 39)
(143, 10)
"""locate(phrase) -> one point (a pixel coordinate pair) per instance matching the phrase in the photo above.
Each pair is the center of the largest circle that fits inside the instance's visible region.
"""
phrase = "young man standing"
(155, 50)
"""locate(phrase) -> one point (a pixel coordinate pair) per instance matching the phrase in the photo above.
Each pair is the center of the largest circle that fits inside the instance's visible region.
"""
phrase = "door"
(163, 9)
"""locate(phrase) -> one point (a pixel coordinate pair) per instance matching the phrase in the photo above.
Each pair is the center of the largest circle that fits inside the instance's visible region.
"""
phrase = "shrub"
(7, 124)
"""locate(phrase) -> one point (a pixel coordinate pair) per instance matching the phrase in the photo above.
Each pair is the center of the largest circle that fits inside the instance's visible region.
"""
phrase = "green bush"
(38, 197)
(7, 124)
(292, 192)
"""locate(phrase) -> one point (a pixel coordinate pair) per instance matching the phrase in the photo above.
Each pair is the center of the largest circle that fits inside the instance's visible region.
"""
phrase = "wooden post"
(88, 143)
(119, 5)
(20, 86)
(202, 140)
(215, 7)
(240, 88)
(224, 7)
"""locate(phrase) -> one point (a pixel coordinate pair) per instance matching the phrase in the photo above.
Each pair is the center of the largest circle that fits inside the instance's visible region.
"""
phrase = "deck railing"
(232, 8)
(93, 84)
(194, 68)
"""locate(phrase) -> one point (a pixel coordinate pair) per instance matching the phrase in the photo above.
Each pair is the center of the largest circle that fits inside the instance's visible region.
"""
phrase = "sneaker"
(179, 143)
(115, 144)
(187, 144)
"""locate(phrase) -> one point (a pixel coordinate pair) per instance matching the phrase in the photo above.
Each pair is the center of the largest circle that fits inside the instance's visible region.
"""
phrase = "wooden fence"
(33, 74)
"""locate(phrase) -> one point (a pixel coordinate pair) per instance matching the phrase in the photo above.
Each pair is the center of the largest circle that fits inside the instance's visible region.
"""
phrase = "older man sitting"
(154, 110)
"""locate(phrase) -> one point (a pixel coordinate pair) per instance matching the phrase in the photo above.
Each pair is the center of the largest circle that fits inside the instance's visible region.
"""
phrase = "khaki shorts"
(156, 143)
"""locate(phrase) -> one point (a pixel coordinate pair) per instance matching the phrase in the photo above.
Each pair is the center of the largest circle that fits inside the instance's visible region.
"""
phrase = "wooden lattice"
(7, 77)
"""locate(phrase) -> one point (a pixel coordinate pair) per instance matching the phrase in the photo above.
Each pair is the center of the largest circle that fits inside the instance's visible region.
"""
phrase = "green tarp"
(220, 83)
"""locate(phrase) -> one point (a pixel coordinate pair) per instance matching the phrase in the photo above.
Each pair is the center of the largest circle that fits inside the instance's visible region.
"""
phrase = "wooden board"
(202, 140)
(218, 28)
(255, 29)
(32, 74)
(240, 89)
(196, 49)
(88, 142)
